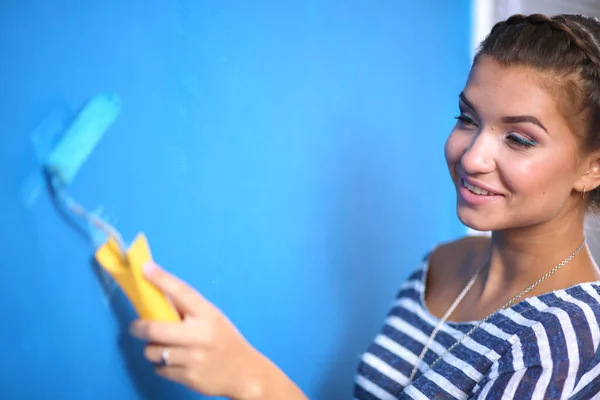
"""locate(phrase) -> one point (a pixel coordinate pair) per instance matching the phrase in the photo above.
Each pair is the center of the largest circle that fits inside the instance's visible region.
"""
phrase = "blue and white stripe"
(545, 347)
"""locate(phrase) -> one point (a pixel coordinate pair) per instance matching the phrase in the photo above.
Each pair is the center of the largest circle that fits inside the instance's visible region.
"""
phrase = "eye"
(520, 140)
(464, 119)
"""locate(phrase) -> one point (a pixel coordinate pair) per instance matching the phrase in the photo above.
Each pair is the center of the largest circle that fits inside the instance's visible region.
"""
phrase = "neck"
(518, 257)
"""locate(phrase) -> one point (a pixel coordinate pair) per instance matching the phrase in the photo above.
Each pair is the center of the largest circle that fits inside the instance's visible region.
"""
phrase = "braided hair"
(565, 49)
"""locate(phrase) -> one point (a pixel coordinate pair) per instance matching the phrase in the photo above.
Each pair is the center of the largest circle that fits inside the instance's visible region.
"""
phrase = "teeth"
(476, 189)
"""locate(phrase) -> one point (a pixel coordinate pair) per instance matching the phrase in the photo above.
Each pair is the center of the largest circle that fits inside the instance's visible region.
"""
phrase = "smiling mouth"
(476, 189)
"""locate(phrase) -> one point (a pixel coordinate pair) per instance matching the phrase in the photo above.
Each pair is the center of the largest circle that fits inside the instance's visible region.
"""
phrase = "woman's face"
(512, 156)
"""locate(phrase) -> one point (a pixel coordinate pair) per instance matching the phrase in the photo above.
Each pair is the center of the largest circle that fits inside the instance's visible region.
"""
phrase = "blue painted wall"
(286, 158)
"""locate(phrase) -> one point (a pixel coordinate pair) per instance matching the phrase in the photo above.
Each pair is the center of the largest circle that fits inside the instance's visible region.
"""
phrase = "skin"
(536, 219)
(207, 353)
(537, 216)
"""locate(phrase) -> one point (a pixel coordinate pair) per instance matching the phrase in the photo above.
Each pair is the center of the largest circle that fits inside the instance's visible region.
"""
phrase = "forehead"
(510, 90)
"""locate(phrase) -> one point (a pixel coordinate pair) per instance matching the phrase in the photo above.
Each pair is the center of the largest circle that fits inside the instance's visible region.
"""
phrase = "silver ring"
(164, 357)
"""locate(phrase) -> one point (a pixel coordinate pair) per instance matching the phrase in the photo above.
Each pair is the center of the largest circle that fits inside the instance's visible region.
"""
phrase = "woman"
(512, 316)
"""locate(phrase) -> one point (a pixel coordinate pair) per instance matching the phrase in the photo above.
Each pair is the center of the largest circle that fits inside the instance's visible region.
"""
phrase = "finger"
(185, 298)
(173, 356)
(174, 373)
(168, 333)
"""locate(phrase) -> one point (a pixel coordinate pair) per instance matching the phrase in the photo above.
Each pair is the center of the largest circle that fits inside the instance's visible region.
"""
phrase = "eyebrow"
(513, 119)
(523, 118)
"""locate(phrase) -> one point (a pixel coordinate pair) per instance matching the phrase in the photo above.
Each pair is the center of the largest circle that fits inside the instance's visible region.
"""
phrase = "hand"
(205, 351)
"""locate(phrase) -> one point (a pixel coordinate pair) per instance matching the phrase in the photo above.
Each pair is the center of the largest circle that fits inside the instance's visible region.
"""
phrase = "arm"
(205, 351)
(270, 383)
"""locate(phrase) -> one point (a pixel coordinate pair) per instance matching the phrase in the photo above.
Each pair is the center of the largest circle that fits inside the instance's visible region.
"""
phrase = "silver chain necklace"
(462, 295)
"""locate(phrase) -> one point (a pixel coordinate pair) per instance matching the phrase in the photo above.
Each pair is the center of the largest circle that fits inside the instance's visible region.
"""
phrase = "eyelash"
(518, 140)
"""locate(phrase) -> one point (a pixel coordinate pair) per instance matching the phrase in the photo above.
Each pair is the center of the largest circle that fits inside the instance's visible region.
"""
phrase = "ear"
(590, 177)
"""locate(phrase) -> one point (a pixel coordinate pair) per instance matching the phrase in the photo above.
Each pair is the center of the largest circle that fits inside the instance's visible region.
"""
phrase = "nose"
(478, 157)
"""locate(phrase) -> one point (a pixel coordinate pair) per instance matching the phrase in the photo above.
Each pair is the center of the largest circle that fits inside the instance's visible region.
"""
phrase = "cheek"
(520, 175)
(454, 148)
(536, 176)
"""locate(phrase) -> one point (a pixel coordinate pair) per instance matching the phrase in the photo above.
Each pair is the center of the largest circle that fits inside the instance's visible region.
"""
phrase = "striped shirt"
(544, 347)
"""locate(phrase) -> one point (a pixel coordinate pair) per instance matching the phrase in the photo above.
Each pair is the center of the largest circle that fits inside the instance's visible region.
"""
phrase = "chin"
(489, 220)
(476, 221)
(476, 225)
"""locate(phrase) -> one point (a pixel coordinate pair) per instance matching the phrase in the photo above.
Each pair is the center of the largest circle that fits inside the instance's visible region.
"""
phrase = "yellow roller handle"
(149, 302)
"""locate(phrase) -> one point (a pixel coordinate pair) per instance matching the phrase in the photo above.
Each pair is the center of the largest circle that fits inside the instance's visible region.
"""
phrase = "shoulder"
(461, 247)
(436, 264)
(444, 255)
(568, 320)
(555, 344)
(564, 323)
(571, 314)
(456, 259)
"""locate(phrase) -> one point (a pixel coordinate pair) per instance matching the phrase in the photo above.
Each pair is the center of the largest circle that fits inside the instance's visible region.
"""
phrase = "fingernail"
(149, 267)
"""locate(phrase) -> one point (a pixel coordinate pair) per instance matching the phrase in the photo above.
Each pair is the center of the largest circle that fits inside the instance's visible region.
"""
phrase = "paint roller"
(124, 264)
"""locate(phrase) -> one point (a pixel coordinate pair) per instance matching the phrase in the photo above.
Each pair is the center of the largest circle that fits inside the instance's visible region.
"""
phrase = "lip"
(474, 182)
(475, 199)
